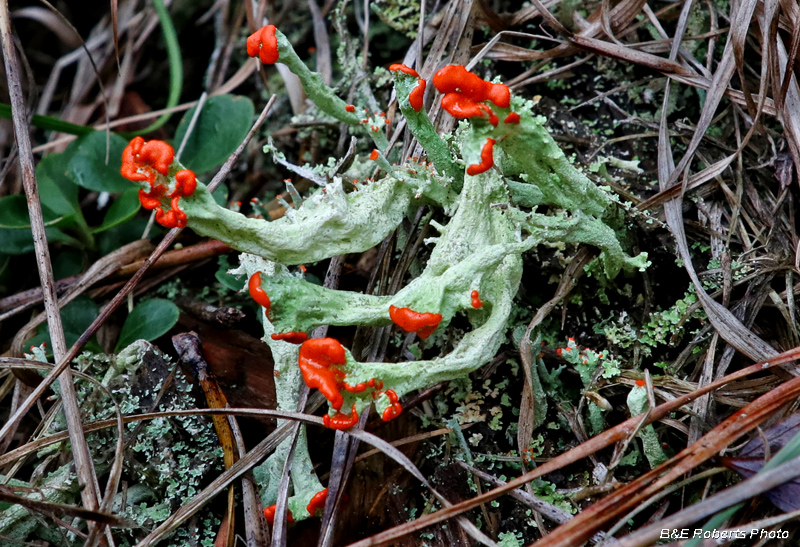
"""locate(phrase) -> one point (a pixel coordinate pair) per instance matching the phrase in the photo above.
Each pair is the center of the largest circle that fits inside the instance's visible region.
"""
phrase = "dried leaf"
(751, 459)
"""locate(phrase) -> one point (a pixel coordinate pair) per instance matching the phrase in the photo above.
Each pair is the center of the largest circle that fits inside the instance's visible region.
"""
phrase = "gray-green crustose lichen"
(533, 196)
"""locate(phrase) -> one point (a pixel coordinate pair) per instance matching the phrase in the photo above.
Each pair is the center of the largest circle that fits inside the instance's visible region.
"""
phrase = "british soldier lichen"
(503, 164)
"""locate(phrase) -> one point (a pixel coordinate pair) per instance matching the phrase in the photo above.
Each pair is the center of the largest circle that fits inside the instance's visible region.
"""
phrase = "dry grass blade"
(280, 523)
(323, 43)
(264, 448)
(53, 23)
(722, 500)
(630, 55)
(619, 502)
(189, 349)
(603, 440)
(556, 514)
(33, 446)
(83, 461)
(176, 257)
(716, 91)
(100, 270)
(95, 70)
(794, 48)
(247, 462)
(728, 326)
(114, 4)
(254, 523)
(59, 509)
(344, 450)
(409, 466)
(789, 115)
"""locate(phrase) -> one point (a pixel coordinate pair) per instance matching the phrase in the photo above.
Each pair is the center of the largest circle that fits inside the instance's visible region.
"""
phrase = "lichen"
(501, 186)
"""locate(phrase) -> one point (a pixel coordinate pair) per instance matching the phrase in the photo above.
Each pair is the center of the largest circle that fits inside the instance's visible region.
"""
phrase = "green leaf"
(49, 122)
(125, 233)
(221, 127)
(20, 241)
(148, 321)
(220, 195)
(75, 319)
(88, 168)
(227, 280)
(56, 191)
(68, 262)
(123, 209)
(14, 213)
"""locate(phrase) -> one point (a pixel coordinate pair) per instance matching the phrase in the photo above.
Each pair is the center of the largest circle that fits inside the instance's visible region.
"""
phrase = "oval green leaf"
(122, 210)
(19, 241)
(222, 125)
(75, 319)
(88, 168)
(57, 192)
(14, 213)
(148, 321)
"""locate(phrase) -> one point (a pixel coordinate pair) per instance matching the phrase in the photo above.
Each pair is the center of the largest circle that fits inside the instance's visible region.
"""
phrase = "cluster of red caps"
(465, 96)
(317, 504)
(320, 358)
(465, 93)
(264, 44)
(142, 161)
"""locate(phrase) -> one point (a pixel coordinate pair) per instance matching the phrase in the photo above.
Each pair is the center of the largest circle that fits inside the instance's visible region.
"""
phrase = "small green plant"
(501, 181)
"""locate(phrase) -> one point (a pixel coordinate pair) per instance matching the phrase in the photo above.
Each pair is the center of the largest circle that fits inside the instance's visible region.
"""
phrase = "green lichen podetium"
(491, 224)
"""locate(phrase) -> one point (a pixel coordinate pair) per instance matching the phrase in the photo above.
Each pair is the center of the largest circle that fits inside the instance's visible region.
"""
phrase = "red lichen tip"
(341, 421)
(487, 159)
(394, 409)
(476, 300)
(317, 502)
(257, 293)
(264, 44)
(410, 321)
(641, 383)
(185, 183)
(290, 337)
(141, 160)
(151, 200)
(461, 108)
(141, 157)
(374, 155)
(415, 98)
(464, 91)
(512, 118)
(403, 68)
(170, 218)
(269, 514)
(457, 79)
(318, 363)
(350, 108)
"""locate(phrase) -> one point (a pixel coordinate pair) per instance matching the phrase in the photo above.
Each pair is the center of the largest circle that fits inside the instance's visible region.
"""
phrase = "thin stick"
(83, 461)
